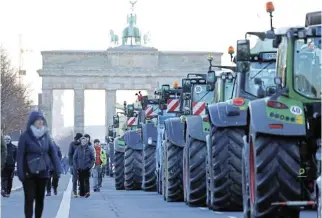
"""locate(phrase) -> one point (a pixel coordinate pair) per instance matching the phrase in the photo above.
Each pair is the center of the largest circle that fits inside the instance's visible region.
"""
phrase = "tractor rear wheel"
(149, 177)
(227, 144)
(119, 170)
(133, 169)
(274, 166)
(195, 173)
(173, 173)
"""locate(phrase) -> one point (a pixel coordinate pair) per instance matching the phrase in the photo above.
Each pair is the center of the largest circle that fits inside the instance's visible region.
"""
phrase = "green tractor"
(283, 131)
(120, 125)
(254, 80)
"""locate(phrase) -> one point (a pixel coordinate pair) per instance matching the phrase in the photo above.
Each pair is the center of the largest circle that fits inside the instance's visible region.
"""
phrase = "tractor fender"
(174, 129)
(194, 128)
(259, 121)
(149, 130)
(224, 114)
(133, 140)
(119, 145)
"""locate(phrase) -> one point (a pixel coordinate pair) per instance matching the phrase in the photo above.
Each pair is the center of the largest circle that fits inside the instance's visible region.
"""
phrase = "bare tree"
(15, 102)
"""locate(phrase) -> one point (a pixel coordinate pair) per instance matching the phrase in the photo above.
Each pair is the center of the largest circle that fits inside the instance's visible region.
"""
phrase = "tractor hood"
(133, 139)
(149, 130)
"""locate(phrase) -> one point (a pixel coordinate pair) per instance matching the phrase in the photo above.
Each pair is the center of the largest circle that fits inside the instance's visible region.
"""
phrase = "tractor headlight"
(150, 141)
(230, 76)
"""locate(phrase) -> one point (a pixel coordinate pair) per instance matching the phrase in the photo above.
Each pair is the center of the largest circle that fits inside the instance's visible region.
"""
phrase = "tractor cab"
(169, 99)
(255, 69)
(195, 94)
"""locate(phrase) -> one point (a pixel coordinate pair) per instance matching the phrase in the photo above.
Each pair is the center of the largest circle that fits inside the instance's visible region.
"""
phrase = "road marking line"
(232, 217)
(64, 207)
(218, 212)
(203, 208)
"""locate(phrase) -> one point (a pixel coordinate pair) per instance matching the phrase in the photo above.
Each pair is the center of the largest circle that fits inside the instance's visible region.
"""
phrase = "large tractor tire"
(227, 144)
(173, 173)
(274, 166)
(194, 172)
(119, 170)
(111, 161)
(149, 177)
(133, 169)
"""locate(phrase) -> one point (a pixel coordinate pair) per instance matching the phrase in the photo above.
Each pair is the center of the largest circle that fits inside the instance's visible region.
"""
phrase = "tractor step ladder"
(294, 203)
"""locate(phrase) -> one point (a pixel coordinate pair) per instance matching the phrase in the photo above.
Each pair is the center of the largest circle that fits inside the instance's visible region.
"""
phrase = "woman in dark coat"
(36, 154)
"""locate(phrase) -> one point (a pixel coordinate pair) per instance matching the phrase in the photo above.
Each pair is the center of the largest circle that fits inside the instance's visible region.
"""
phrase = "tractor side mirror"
(186, 86)
(130, 110)
(243, 50)
(211, 80)
(277, 41)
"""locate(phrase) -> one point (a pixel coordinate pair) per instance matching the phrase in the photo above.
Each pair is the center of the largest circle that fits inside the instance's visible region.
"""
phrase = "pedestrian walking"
(35, 155)
(7, 173)
(54, 179)
(84, 159)
(3, 152)
(72, 148)
(89, 140)
(100, 161)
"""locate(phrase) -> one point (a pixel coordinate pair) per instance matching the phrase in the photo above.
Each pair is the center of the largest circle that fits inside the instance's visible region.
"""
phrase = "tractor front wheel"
(119, 170)
(149, 177)
(273, 167)
(227, 144)
(195, 173)
(173, 173)
(133, 169)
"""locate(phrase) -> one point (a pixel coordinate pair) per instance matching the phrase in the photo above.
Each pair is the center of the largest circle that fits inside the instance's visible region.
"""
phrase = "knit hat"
(78, 136)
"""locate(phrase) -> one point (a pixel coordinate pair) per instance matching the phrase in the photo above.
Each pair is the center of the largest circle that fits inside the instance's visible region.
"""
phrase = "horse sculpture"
(114, 38)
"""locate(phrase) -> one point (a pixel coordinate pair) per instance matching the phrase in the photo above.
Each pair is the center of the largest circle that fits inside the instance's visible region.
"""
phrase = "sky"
(193, 25)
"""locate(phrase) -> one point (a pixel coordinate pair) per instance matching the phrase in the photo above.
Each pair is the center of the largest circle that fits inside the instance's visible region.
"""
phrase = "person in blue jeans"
(72, 148)
(83, 161)
(35, 155)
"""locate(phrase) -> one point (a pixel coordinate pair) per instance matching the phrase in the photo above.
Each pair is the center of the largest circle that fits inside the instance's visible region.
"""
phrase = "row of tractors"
(245, 137)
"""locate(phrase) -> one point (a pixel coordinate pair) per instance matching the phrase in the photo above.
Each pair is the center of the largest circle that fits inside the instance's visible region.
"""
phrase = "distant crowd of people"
(40, 162)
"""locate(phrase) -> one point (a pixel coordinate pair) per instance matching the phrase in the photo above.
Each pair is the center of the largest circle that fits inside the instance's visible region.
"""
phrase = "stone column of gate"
(78, 111)
(110, 104)
(47, 106)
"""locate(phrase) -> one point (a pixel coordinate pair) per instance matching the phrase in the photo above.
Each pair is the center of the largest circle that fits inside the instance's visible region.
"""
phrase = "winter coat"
(30, 148)
(3, 152)
(102, 156)
(84, 158)
(59, 154)
(72, 148)
(11, 156)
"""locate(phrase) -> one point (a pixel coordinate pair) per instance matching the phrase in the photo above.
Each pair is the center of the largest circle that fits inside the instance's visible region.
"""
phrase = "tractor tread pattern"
(227, 144)
(119, 170)
(277, 165)
(197, 174)
(149, 176)
(133, 169)
(174, 181)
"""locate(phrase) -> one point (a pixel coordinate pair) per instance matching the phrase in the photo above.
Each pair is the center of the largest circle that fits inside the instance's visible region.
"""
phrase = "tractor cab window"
(265, 71)
(307, 67)
(229, 87)
(201, 94)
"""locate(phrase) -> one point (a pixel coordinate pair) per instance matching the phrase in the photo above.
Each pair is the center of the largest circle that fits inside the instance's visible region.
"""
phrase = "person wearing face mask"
(100, 161)
(35, 155)
(7, 173)
(72, 148)
(83, 161)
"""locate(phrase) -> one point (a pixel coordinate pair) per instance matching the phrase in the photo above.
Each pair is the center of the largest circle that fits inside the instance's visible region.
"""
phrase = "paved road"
(110, 203)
